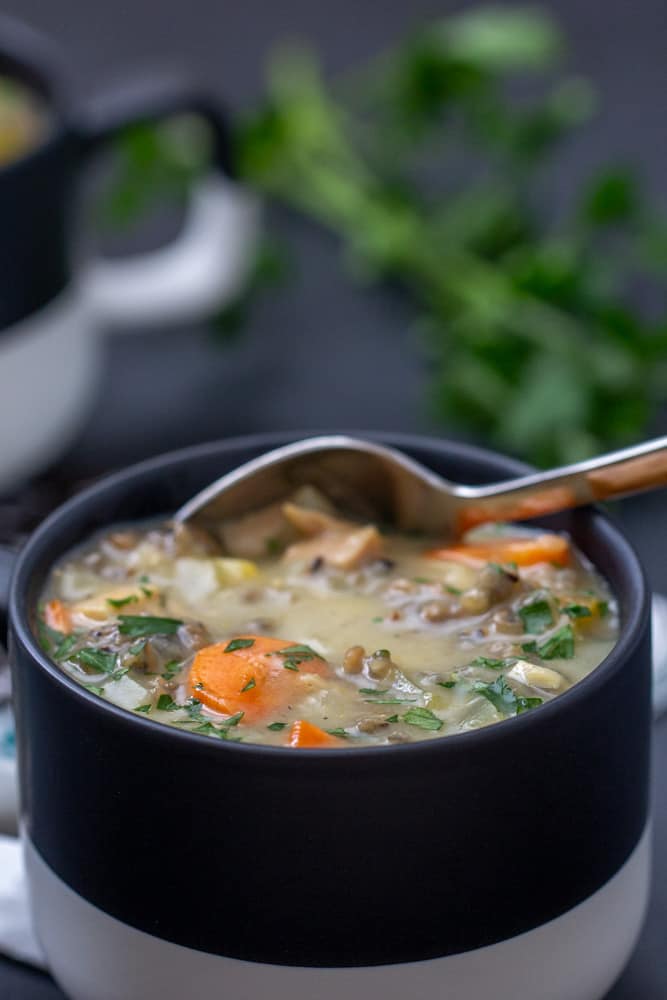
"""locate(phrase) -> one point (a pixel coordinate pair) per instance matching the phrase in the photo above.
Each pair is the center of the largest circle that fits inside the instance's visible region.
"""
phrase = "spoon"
(377, 482)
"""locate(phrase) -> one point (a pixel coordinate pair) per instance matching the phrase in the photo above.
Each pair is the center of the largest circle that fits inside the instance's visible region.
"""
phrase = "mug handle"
(205, 265)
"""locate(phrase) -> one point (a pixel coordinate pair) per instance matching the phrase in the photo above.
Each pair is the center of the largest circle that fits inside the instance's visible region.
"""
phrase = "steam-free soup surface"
(296, 627)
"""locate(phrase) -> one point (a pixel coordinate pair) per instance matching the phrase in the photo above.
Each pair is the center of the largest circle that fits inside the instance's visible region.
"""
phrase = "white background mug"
(52, 309)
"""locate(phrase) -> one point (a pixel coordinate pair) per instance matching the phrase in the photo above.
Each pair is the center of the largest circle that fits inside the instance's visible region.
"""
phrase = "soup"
(297, 627)
(22, 120)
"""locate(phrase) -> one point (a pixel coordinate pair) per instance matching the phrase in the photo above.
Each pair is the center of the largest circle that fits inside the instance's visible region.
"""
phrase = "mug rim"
(631, 633)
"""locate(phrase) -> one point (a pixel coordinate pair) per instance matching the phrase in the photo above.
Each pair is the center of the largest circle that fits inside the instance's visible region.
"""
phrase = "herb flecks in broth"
(298, 627)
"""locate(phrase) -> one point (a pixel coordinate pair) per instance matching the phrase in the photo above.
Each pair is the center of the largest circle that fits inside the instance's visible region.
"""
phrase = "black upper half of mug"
(38, 188)
(346, 857)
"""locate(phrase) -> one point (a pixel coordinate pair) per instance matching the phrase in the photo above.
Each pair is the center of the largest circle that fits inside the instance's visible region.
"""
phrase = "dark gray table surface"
(317, 353)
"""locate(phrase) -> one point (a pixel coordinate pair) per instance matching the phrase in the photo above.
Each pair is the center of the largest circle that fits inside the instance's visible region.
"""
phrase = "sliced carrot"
(247, 675)
(57, 616)
(523, 551)
(304, 734)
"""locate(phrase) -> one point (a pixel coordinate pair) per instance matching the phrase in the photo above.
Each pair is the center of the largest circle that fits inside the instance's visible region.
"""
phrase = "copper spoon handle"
(607, 477)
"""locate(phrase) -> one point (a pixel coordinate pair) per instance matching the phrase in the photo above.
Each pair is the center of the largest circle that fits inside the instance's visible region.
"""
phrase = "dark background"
(320, 353)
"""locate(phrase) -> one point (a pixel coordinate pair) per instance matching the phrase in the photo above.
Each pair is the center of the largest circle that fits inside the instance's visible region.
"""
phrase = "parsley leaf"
(536, 617)
(65, 647)
(525, 704)
(171, 669)
(166, 703)
(122, 601)
(577, 611)
(503, 697)
(500, 694)
(97, 659)
(276, 727)
(238, 644)
(139, 625)
(485, 661)
(423, 718)
(144, 708)
(559, 645)
(249, 686)
(234, 720)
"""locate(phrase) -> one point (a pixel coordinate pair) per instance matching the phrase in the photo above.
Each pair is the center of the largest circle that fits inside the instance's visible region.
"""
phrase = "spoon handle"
(618, 474)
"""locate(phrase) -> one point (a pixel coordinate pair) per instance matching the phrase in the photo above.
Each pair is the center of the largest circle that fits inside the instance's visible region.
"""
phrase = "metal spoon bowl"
(380, 483)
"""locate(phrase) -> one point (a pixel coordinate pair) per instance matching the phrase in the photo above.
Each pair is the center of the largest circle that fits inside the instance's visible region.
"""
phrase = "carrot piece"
(246, 675)
(523, 551)
(305, 734)
(57, 616)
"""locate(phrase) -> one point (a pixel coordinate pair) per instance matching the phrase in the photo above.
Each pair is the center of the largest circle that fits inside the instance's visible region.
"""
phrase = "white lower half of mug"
(49, 369)
(577, 956)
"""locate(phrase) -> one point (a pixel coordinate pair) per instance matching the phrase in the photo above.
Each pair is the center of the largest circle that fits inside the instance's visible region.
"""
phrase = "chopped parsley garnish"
(391, 718)
(249, 686)
(276, 727)
(491, 664)
(235, 644)
(377, 619)
(48, 637)
(536, 617)
(193, 707)
(296, 655)
(503, 697)
(343, 733)
(139, 625)
(274, 547)
(234, 720)
(144, 579)
(374, 690)
(446, 684)
(95, 688)
(559, 645)
(424, 718)
(97, 659)
(389, 701)
(603, 608)
(147, 591)
(144, 708)
(65, 647)
(171, 669)
(421, 579)
(525, 704)
(577, 611)
(453, 590)
(299, 651)
(122, 601)
(138, 648)
(166, 703)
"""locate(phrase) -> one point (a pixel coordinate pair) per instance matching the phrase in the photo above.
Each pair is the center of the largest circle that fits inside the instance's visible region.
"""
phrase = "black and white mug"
(51, 306)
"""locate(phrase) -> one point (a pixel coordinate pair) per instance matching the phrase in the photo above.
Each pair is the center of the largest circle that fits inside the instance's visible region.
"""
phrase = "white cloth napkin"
(16, 935)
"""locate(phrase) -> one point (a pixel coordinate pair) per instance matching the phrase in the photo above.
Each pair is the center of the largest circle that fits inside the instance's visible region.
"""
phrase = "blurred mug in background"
(51, 305)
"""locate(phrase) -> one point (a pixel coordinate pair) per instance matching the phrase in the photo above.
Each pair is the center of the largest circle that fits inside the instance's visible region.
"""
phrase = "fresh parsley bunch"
(544, 334)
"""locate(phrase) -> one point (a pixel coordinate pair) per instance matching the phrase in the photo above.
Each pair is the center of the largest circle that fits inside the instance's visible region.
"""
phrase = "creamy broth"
(296, 627)
(22, 119)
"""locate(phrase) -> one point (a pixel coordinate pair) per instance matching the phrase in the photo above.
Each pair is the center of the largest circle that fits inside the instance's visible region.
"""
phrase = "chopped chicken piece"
(268, 530)
(344, 547)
